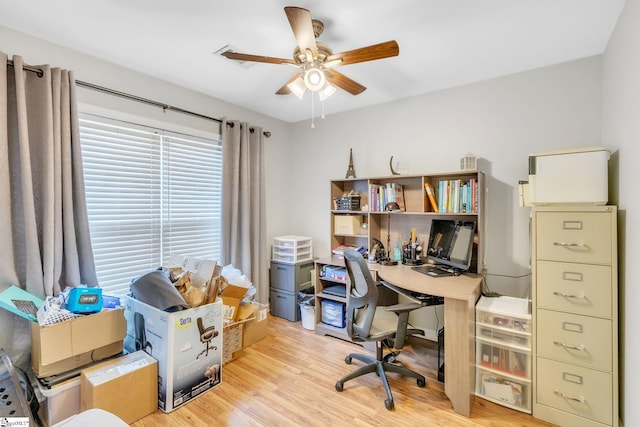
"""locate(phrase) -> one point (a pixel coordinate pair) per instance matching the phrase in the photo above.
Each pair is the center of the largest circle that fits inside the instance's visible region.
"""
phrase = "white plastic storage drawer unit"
(291, 255)
(503, 351)
(333, 313)
(292, 241)
(291, 249)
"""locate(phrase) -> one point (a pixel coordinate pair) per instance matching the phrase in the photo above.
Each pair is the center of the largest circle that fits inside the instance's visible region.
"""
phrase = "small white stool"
(94, 418)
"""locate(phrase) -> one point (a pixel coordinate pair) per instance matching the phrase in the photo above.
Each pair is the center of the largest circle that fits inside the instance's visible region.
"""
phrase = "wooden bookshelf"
(416, 212)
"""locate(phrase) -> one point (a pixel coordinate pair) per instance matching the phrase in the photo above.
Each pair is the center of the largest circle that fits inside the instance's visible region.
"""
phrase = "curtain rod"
(39, 72)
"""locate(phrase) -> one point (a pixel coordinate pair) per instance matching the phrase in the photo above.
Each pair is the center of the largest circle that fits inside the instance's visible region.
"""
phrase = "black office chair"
(141, 334)
(206, 335)
(366, 321)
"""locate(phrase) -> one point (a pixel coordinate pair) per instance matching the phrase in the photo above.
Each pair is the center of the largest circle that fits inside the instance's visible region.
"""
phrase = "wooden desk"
(460, 295)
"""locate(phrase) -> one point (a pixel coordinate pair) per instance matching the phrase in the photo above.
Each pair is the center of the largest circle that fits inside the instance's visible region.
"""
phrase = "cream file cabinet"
(575, 299)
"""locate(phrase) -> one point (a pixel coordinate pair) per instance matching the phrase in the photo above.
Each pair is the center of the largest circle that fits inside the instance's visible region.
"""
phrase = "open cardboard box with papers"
(231, 297)
(249, 328)
(69, 344)
(73, 343)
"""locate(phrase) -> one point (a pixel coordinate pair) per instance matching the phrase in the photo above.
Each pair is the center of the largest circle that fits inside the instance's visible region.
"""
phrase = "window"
(151, 194)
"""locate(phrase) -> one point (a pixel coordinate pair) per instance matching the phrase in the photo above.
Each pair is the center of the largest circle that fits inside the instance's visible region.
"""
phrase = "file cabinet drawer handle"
(563, 295)
(579, 399)
(569, 245)
(569, 346)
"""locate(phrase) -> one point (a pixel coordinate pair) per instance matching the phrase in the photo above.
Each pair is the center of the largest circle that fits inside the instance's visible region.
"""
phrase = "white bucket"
(308, 316)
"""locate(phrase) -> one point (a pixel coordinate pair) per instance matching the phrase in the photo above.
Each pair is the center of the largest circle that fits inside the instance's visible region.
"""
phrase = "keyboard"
(427, 299)
(436, 270)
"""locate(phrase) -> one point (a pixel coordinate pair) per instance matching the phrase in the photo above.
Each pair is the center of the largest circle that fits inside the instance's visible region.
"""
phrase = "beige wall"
(621, 131)
(501, 121)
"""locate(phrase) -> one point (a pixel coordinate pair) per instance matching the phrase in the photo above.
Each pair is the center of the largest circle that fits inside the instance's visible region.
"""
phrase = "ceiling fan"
(316, 60)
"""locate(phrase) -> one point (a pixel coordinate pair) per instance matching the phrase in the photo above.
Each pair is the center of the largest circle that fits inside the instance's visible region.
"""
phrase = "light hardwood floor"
(288, 379)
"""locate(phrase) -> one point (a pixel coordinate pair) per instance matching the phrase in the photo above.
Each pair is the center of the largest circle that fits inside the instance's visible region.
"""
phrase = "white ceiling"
(443, 43)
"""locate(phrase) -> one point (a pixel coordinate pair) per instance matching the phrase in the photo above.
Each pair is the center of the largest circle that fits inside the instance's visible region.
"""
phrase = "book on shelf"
(431, 195)
(458, 195)
(398, 196)
(380, 195)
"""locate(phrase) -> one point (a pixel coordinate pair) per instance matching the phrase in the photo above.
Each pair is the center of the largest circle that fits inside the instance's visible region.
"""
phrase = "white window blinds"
(151, 193)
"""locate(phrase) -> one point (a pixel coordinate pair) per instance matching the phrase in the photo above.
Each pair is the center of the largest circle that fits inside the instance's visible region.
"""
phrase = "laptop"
(335, 290)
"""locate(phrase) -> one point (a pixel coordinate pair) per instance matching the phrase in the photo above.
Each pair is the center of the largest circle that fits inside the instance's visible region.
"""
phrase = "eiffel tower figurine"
(351, 172)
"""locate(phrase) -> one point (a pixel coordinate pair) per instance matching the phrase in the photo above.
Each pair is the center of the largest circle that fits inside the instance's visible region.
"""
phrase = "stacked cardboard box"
(113, 386)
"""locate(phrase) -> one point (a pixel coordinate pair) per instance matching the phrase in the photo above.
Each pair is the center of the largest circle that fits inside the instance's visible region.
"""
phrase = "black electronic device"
(336, 290)
(377, 253)
(428, 299)
(450, 247)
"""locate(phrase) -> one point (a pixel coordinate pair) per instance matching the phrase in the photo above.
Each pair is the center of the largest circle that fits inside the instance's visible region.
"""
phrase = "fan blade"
(369, 53)
(284, 90)
(256, 58)
(344, 82)
(300, 21)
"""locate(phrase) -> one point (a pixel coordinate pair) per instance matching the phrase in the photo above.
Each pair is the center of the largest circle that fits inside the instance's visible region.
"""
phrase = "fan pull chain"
(313, 122)
(322, 116)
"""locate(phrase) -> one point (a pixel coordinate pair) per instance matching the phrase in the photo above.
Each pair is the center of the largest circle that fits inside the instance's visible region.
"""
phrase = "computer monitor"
(451, 243)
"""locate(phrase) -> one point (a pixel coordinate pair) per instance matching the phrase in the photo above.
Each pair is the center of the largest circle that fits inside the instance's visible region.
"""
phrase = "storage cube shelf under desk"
(503, 351)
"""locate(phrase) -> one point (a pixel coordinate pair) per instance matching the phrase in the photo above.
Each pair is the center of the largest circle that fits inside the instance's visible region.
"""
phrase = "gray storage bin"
(284, 304)
(290, 277)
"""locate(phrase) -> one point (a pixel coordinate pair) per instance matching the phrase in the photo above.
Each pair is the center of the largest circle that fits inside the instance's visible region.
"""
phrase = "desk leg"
(459, 363)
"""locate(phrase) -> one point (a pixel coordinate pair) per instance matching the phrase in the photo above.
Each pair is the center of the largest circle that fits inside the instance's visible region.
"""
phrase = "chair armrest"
(402, 308)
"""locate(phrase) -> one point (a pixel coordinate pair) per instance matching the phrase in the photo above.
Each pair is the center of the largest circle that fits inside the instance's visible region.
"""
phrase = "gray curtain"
(43, 220)
(243, 204)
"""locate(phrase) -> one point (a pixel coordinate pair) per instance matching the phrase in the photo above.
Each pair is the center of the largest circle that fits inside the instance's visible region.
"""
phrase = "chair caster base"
(388, 403)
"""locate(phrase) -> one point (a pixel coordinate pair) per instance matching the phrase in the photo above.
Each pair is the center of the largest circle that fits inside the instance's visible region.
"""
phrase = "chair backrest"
(363, 296)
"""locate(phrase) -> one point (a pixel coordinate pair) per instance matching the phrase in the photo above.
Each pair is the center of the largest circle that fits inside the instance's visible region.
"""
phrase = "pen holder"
(412, 254)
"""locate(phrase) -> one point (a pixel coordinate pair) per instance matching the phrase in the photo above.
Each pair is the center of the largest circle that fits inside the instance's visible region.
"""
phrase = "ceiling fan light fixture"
(298, 87)
(314, 78)
(326, 91)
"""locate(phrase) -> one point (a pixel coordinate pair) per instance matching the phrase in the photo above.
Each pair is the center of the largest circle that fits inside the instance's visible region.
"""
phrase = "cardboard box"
(347, 224)
(74, 343)
(189, 362)
(255, 328)
(232, 346)
(250, 327)
(125, 386)
(231, 297)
